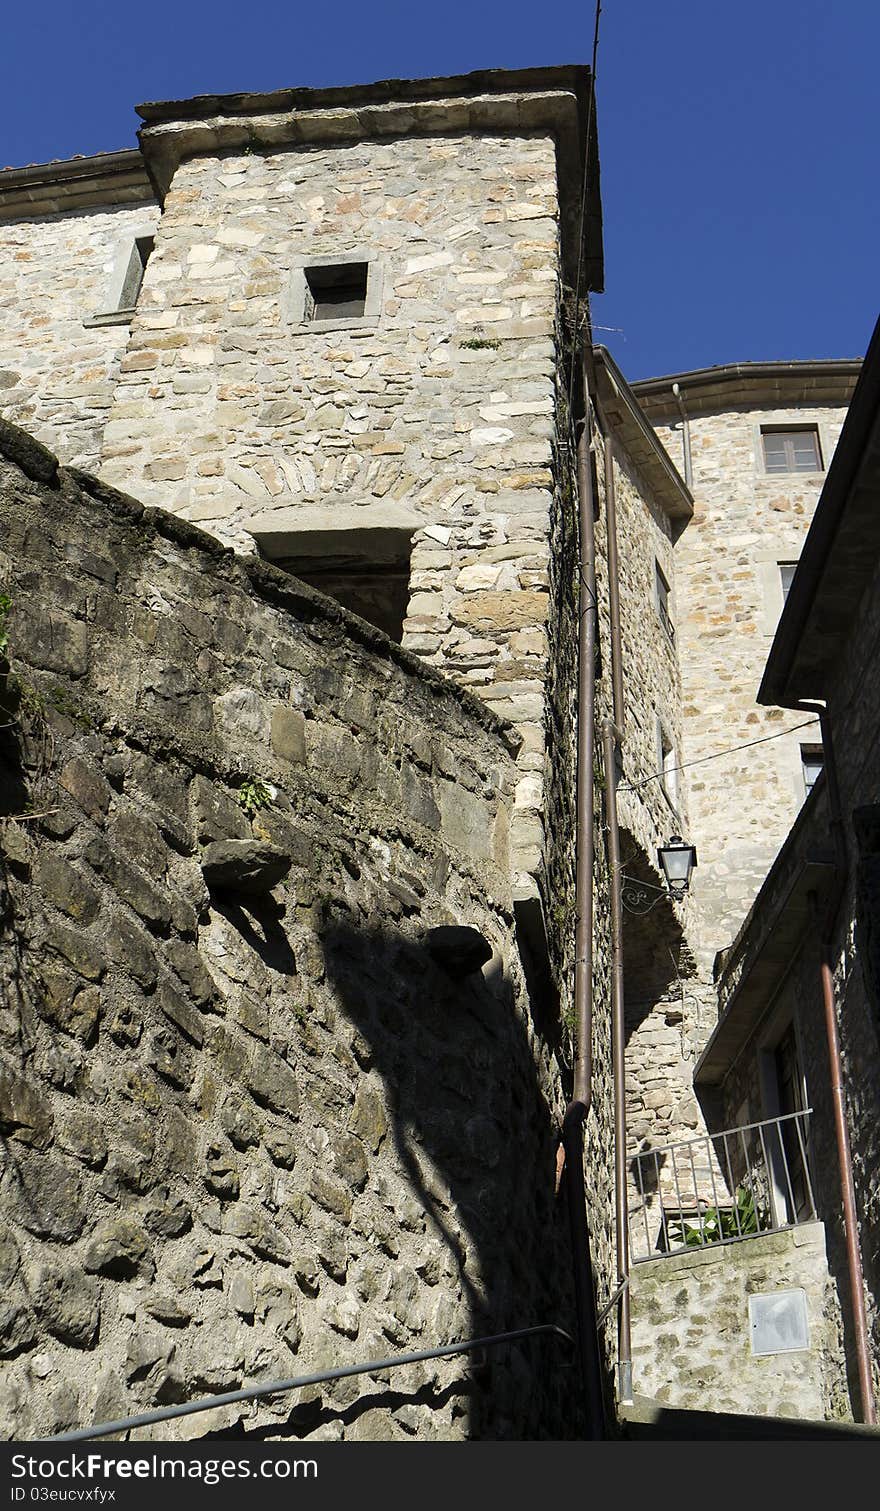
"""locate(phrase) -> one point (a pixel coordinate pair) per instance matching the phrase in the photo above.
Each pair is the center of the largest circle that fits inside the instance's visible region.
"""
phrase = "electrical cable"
(701, 760)
(583, 213)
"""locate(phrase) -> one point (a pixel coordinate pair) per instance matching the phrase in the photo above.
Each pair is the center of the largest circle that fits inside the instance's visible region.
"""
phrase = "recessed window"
(668, 765)
(336, 291)
(129, 266)
(787, 570)
(134, 272)
(791, 450)
(812, 766)
(662, 598)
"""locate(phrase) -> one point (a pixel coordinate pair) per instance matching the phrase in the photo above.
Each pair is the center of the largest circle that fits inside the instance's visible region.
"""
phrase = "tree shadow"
(476, 1145)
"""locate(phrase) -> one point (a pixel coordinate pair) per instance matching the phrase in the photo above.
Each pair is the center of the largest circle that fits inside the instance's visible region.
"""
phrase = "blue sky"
(738, 142)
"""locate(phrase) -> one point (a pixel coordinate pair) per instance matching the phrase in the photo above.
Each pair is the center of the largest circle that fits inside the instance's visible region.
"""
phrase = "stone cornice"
(750, 385)
(78, 183)
(550, 100)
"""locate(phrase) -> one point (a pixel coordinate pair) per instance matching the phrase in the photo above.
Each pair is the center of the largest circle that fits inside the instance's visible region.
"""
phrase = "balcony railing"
(721, 1188)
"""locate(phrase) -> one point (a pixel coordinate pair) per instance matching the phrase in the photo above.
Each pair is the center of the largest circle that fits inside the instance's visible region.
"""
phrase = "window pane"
(787, 570)
(805, 452)
(774, 453)
(795, 450)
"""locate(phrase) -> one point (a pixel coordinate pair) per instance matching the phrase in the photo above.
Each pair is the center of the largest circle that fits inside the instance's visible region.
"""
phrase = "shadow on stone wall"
(476, 1147)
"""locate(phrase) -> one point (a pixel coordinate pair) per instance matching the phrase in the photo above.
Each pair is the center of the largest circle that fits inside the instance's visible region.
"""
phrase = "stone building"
(340, 347)
(819, 900)
(291, 601)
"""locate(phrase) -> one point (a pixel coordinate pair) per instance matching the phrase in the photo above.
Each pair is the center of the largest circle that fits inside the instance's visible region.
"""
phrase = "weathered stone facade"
(309, 1061)
(692, 1341)
(58, 367)
(728, 599)
(771, 978)
(255, 1128)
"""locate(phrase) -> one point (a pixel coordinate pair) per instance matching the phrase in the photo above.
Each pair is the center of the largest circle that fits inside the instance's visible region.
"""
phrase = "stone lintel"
(369, 534)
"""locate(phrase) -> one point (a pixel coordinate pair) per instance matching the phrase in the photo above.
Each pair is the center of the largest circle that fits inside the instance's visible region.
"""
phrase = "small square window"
(791, 450)
(336, 291)
(787, 570)
(662, 592)
(812, 766)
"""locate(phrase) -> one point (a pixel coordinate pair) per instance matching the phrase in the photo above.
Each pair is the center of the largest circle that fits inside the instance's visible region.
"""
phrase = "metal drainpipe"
(685, 438)
(838, 1095)
(612, 737)
(576, 1113)
(614, 591)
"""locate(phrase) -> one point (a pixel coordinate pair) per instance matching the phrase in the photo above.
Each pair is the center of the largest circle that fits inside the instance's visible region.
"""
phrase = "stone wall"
(436, 420)
(692, 1336)
(728, 601)
(258, 1117)
(57, 372)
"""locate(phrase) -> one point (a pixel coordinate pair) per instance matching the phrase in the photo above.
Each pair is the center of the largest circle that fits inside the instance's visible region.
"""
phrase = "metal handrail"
(278, 1387)
(768, 1160)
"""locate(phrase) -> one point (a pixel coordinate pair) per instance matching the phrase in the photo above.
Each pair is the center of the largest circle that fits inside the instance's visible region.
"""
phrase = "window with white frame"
(334, 292)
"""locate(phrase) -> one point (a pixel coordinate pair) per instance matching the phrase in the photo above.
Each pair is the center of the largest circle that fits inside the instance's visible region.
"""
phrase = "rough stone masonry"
(272, 1095)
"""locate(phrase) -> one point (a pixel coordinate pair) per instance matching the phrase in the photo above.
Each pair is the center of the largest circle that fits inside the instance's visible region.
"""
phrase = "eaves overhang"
(750, 385)
(77, 183)
(641, 443)
(839, 558)
(758, 961)
(553, 100)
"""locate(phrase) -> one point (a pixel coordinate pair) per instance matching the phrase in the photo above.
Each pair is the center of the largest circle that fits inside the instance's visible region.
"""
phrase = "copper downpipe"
(578, 1109)
(618, 1055)
(838, 1096)
(612, 739)
(618, 704)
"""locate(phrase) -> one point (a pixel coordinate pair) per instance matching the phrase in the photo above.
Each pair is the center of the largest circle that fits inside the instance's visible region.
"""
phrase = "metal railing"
(721, 1188)
(280, 1387)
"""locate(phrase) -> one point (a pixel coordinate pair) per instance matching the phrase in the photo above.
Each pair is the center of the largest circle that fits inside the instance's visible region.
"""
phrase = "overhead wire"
(583, 214)
(716, 756)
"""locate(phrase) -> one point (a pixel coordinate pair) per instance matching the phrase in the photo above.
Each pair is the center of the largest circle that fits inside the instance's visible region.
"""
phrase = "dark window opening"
(378, 594)
(792, 450)
(337, 291)
(134, 273)
(367, 571)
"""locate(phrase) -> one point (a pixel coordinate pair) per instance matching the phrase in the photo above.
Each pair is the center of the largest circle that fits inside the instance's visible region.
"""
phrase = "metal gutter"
(751, 385)
(621, 410)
